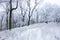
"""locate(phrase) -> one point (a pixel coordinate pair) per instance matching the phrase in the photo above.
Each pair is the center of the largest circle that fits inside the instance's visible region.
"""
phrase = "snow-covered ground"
(41, 31)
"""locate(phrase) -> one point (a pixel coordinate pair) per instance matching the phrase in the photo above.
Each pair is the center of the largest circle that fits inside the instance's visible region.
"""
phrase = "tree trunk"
(29, 21)
(10, 20)
(7, 20)
(10, 15)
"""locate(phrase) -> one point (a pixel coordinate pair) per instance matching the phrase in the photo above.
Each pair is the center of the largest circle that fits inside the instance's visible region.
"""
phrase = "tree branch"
(34, 7)
(16, 6)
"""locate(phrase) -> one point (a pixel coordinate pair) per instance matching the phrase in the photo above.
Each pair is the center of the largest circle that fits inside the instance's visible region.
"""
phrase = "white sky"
(53, 1)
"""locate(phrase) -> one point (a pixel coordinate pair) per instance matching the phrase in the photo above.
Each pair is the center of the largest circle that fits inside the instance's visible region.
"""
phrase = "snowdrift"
(41, 31)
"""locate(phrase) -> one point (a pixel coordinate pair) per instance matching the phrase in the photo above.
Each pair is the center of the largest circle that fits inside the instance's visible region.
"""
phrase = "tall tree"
(10, 15)
(31, 10)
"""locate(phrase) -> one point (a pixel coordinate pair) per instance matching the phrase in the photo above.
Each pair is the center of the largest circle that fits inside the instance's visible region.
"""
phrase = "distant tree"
(2, 17)
(46, 13)
(15, 21)
(7, 12)
(37, 15)
(57, 15)
(23, 12)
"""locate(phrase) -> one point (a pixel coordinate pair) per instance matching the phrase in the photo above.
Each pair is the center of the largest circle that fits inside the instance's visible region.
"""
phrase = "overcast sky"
(53, 1)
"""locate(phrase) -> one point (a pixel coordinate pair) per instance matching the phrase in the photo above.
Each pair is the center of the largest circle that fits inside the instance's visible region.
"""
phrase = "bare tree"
(7, 11)
(2, 21)
(31, 10)
(10, 16)
(23, 12)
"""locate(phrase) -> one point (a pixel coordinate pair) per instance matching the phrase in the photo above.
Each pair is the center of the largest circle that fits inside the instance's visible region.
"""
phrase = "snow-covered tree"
(31, 10)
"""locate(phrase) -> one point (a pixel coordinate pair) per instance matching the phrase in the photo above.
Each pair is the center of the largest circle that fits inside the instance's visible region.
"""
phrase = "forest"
(20, 13)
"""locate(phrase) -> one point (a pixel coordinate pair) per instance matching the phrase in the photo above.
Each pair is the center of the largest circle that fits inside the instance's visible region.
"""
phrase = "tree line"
(26, 14)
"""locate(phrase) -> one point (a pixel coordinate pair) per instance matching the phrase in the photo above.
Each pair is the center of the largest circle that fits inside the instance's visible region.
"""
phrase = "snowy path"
(41, 31)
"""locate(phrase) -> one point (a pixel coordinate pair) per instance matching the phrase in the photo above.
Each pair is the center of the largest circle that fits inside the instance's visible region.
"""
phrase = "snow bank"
(40, 31)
